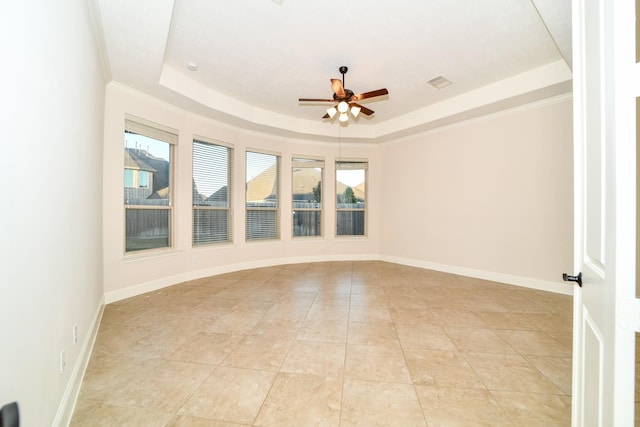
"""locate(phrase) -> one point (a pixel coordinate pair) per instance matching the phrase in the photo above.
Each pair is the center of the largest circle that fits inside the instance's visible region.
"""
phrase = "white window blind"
(211, 193)
(151, 130)
(262, 183)
(352, 165)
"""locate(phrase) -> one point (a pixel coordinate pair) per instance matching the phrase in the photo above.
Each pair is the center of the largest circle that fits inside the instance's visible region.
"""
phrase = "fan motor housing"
(348, 94)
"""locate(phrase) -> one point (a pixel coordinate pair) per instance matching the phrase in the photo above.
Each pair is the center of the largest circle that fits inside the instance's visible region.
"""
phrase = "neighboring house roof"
(305, 180)
(218, 196)
(358, 190)
(162, 193)
(136, 159)
(262, 186)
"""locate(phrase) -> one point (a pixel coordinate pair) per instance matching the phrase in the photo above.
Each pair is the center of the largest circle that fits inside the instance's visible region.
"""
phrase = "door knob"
(577, 279)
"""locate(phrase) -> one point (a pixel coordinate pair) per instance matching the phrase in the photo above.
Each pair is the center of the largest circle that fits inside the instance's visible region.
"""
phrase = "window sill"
(150, 254)
(349, 237)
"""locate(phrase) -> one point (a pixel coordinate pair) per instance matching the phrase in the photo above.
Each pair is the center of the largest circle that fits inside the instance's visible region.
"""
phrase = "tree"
(348, 196)
(317, 192)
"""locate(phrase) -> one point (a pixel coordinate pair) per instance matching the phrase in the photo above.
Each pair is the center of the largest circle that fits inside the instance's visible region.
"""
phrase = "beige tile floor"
(332, 344)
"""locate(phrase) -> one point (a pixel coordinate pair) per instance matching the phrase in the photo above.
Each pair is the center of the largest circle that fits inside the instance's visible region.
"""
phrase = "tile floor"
(332, 344)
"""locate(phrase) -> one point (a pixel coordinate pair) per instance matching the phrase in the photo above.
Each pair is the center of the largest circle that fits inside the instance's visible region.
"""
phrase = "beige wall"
(489, 198)
(493, 195)
(128, 275)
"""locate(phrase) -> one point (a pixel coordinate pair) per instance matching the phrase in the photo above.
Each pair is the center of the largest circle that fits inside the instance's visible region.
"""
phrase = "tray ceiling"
(255, 58)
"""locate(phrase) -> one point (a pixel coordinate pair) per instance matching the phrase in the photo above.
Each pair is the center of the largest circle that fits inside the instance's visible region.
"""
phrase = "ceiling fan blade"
(326, 116)
(315, 100)
(336, 85)
(371, 94)
(363, 110)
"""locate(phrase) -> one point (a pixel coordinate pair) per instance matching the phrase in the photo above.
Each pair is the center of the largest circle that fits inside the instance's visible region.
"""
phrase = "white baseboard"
(527, 282)
(154, 285)
(142, 288)
(69, 398)
(206, 272)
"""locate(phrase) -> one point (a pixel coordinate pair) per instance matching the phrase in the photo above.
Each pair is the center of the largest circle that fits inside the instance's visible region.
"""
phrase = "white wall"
(52, 97)
(127, 275)
(491, 197)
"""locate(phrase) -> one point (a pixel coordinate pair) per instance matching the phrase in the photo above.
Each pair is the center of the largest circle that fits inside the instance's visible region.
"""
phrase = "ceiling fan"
(346, 99)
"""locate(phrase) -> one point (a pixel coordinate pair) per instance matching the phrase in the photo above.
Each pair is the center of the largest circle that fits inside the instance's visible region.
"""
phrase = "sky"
(352, 178)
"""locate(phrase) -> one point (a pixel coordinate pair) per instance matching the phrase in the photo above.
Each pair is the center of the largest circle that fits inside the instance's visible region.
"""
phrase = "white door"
(605, 313)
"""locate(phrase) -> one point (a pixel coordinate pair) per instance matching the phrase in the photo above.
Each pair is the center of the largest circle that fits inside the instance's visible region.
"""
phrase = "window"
(262, 184)
(306, 180)
(134, 178)
(143, 179)
(351, 179)
(129, 178)
(211, 193)
(148, 153)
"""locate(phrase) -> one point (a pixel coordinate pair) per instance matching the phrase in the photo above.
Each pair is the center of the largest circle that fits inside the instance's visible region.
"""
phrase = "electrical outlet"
(75, 334)
(62, 362)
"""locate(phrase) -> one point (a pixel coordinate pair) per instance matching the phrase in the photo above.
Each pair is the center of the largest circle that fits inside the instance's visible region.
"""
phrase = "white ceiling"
(257, 57)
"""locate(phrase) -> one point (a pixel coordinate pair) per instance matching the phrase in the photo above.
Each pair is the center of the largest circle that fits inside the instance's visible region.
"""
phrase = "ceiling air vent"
(439, 82)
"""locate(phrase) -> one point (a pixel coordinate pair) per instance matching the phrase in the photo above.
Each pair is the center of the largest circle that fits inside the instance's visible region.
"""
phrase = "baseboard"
(206, 272)
(154, 285)
(527, 282)
(142, 288)
(69, 398)
(231, 268)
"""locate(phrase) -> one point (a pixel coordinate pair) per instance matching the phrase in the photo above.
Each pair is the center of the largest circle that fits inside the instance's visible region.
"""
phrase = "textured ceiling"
(257, 57)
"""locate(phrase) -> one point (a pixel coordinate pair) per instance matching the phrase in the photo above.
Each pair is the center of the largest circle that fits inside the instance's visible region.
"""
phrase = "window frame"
(352, 164)
(138, 126)
(299, 162)
(254, 209)
(229, 180)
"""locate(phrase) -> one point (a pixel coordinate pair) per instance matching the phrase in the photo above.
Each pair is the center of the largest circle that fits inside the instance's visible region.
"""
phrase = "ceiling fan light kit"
(346, 100)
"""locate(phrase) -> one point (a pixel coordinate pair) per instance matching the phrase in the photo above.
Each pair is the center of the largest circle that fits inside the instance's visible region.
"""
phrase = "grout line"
(378, 279)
